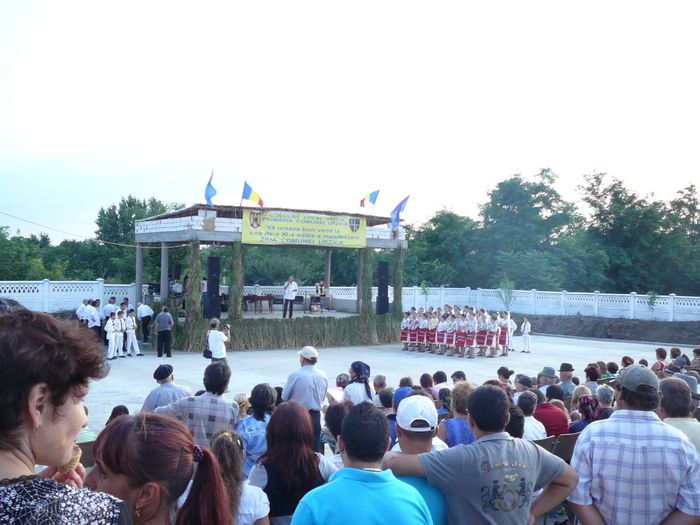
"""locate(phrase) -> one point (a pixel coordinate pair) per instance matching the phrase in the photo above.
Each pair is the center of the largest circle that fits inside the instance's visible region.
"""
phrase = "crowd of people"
(435, 451)
(464, 332)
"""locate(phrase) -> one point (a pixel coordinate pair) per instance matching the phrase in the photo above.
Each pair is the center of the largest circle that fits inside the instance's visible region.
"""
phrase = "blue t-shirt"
(433, 496)
(458, 432)
(362, 497)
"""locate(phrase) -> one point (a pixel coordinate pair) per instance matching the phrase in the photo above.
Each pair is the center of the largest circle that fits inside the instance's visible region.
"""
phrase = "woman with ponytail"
(249, 504)
(358, 391)
(148, 461)
(289, 468)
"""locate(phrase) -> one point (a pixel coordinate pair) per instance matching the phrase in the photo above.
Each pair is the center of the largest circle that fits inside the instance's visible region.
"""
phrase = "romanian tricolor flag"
(250, 195)
(371, 198)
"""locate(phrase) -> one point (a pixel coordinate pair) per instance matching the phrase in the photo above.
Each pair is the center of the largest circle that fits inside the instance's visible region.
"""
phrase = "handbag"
(207, 353)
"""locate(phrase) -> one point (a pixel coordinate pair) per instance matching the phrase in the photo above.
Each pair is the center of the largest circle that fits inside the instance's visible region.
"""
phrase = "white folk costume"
(492, 336)
(503, 336)
(405, 323)
(526, 330)
(422, 330)
(432, 330)
(471, 333)
(512, 327)
(482, 327)
(442, 333)
(461, 334)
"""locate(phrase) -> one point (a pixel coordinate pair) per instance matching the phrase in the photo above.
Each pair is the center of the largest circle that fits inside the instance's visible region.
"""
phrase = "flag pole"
(241, 203)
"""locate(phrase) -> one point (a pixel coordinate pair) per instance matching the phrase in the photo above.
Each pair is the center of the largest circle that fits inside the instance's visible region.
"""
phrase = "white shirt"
(437, 445)
(144, 311)
(290, 290)
(108, 309)
(217, 344)
(92, 316)
(130, 325)
(533, 429)
(307, 385)
(204, 286)
(80, 311)
(525, 328)
(356, 393)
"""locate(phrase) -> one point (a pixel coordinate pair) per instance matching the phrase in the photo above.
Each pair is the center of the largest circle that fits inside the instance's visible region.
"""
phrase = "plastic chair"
(565, 446)
(546, 443)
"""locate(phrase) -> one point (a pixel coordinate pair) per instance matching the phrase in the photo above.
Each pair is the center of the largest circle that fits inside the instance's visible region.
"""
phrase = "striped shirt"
(636, 469)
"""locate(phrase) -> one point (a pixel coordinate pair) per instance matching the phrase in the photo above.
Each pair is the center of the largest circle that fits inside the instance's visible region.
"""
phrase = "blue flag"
(209, 192)
(396, 214)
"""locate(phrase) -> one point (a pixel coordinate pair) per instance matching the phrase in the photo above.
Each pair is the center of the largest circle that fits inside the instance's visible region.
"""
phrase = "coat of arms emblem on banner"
(354, 225)
(255, 219)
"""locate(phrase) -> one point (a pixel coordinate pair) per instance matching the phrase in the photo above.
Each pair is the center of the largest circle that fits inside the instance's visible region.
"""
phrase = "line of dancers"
(461, 332)
(117, 326)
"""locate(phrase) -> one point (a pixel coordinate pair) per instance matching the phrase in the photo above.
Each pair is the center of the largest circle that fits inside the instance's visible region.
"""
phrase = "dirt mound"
(685, 332)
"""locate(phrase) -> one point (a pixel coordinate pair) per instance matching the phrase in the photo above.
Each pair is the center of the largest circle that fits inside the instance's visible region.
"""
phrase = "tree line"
(526, 235)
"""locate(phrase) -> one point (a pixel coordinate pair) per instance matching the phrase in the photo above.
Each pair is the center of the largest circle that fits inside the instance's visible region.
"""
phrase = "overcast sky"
(316, 104)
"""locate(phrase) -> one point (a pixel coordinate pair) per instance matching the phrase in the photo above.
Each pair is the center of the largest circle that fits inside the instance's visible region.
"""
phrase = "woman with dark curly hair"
(289, 468)
(45, 369)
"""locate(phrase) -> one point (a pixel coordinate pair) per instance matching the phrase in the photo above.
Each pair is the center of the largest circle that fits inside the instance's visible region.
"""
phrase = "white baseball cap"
(308, 352)
(417, 408)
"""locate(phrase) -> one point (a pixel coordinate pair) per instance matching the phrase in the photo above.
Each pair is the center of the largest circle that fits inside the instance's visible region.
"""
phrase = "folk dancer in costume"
(120, 333)
(461, 335)
(131, 343)
(422, 331)
(451, 331)
(526, 330)
(442, 334)
(492, 336)
(471, 335)
(405, 323)
(482, 326)
(413, 330)
(512, 327)
(432, 332)
(504, 334)
(111, 330)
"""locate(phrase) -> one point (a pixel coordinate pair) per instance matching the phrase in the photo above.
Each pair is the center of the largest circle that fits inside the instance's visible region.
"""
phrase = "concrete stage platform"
(131, 379)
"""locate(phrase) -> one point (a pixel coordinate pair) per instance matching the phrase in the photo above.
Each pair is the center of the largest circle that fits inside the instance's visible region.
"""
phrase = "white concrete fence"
(51, 296)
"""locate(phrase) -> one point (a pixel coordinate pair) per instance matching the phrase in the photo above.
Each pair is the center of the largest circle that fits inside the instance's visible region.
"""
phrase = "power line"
(88, 238)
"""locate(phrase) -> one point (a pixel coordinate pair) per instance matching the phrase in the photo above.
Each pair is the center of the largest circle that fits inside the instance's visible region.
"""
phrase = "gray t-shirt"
(164, 321)
(492, 480)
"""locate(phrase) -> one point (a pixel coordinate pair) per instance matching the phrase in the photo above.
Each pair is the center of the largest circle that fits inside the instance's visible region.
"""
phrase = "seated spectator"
(532, 429)
(46, 368)
(335, 395)
(660, 362)
(590, 411)
(386, 398)
(399, 395)
(148, 461)
(603, 369)
(644, 363)
(504, 374)
(553, 419)
(516, 425)
(334, 420)
(613, 368)
(676, 353)
(566, 374)
(426, 385)
(578, 392)
(440, 381)
(456, 431)
(362, 492)
(243, 405)
(554, 392)
(253, 429)
(695, 363)
(406, 381)
(459, 376)
(289, 468)
(592, 376)
(119, 410)
(676, 408)
(606, 397)
(437, 443)
(561, 406)
(379, 384)
(249, 505)
(626, 361)
(522, 383)
(445, 398)
(547, 377)
(279, 391)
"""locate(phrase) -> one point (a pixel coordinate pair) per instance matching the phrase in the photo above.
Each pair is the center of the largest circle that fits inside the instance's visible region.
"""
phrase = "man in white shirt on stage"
(290, 293)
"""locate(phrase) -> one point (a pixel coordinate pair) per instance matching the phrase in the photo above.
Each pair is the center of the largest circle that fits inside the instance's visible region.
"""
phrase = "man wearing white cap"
(416, 426)
(308, 385)
(633, 468)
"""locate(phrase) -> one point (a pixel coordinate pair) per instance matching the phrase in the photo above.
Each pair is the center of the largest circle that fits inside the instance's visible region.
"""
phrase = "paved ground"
(131, 379)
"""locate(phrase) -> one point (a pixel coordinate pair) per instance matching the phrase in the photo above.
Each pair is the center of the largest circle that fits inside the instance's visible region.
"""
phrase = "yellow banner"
(303, 229)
